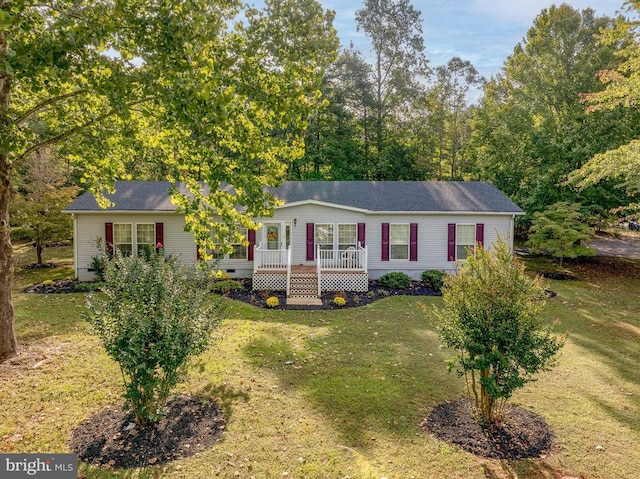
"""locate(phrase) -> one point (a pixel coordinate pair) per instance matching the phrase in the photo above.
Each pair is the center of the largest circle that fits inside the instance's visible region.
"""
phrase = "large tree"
(42, 191)
(531, 129)
(621, 162)
(394, 28)
(338, 140)
(188, 85)
(448, 116)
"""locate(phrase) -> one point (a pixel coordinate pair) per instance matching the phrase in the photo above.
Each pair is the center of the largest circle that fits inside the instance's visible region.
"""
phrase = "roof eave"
(449, 212)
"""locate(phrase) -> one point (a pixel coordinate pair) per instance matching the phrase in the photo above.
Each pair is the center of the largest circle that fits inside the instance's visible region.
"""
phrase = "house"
(327, 235)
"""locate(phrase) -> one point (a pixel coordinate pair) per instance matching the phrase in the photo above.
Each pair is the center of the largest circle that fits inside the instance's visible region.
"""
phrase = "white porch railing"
(352, 258)
(271, 258)
(288, 271)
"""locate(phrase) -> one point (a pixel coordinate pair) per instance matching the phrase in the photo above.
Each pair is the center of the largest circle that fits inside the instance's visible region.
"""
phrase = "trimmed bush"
(395, 280)
(153, 316)
(225, 286)
(491, 316)
(433, 278)
(272, 302)
(339, 301)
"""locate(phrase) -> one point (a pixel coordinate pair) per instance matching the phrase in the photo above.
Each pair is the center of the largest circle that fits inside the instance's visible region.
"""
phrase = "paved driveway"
(628, 247)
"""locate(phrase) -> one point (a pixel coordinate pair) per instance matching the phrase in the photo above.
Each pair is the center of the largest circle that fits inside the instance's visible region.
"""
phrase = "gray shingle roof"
(437, 196)
(129, 196)
(391, 196)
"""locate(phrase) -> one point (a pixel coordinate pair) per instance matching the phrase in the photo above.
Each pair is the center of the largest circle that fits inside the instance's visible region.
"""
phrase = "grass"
(337, 394)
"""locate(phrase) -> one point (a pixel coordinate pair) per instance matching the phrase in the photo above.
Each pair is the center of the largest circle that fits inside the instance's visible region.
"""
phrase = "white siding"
(432, 236)
(432, 240)
(91, 226)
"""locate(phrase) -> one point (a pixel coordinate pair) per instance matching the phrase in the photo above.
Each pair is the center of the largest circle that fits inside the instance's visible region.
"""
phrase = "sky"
(481, 31)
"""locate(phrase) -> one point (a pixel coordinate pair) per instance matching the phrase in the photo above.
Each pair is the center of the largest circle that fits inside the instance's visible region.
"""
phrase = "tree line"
(533, 133)
(187, 91)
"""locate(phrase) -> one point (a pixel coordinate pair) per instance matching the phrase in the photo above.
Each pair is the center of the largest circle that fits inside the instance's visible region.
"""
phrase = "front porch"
(332, 270)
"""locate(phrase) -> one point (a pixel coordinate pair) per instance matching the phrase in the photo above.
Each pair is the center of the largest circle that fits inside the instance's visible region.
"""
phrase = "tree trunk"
(39, 253)
(8, 343)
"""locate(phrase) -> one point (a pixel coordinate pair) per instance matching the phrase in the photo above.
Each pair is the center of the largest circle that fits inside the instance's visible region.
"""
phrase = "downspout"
(511, 234)
(75, 244)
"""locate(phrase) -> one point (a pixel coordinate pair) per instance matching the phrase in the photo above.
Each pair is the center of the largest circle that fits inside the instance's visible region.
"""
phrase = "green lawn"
(339, 394)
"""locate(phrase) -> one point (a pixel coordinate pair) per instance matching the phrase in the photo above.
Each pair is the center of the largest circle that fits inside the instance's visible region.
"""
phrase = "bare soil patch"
(111, 438)
(30, 357)
(521, 434)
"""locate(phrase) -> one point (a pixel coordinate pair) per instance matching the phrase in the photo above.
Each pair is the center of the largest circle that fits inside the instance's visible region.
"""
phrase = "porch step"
(303, 285)
(304, 301)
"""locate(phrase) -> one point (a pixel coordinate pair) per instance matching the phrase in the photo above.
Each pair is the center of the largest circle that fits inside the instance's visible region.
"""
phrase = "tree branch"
(49, 101)
(64, 135)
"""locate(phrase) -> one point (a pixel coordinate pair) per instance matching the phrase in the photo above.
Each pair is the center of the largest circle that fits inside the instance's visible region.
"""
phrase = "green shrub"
(491, 317)
(339, 301)
(153, 316)
(272, 302)
(221, 275)
(47, 282)
(89, 287)
(225, 286)
(433, 278)
(561, 232)
(395, 280)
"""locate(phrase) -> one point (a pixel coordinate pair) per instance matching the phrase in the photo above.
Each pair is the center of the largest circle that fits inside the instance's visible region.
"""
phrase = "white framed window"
(465, 240)
(347, 236)
(239, 251)
(123, 238)
(398, 241)
(324, 235)
(145, 237)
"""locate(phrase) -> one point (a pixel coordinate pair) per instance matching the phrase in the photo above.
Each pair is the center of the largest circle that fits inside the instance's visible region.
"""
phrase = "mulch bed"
(521, 434)
(111, 438)
(353, 299)
(258, 298)
(56, 287)
(41, 266)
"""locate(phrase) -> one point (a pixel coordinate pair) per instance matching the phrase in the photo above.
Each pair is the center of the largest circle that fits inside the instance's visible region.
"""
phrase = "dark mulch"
(353, 299)
(56, 286)
(558, 276)
(41, 266)
(521, 434)
(111, 438)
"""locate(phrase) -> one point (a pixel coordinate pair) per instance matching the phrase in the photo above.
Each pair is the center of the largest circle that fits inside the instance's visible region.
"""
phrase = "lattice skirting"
(328, 281)
(270, 281)
(344, 282)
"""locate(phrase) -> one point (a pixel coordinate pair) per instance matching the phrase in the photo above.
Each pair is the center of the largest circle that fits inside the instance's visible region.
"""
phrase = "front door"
(277, 237)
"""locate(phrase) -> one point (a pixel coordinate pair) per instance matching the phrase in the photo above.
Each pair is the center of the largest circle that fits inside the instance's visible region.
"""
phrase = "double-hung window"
(145, 237)
(123, 238)
(347, 236)
(327, 239)
(465, 240)
(325, 236)
(133, 238)
(238, 250)
(398, 241)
